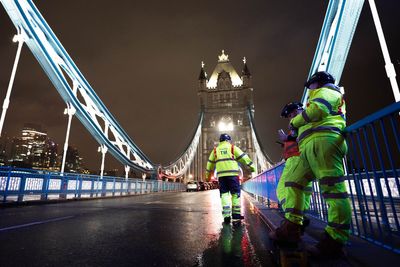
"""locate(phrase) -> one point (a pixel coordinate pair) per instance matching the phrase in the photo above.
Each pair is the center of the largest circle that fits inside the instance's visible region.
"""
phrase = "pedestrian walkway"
(359, 252)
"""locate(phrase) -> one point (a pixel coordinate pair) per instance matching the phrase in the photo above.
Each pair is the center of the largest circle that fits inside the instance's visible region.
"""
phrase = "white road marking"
(34, 223)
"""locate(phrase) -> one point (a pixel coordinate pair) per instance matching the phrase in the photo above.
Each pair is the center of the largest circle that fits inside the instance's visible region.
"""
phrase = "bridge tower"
(225, 99)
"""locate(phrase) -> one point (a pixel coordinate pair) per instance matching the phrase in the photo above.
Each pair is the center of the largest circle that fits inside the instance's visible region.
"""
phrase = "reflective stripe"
(226, 207)
(335, 195)
(294, 211)
(324, 102)
(291, 145)
(328, 105)
(308, 189)
(219, 160)
(283, 201)
(251, 163)
(331, 181)
(241, 156)
(228, 171)
(305, 116)
(226, 212)
(211, 161)
(344, 226)
(295, 185)
(320, 129)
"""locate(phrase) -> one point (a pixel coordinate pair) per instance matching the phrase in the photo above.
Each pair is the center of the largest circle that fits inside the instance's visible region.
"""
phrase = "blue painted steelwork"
(334, 42)
(18, 185)
(373, 170)
(72, 85)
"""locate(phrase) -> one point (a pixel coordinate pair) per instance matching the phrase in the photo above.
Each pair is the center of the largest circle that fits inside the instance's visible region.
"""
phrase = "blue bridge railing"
(18, 185)
(372, 171)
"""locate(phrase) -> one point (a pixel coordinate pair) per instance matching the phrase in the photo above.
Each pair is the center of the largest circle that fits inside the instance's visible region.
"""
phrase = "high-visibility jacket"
(224, 158)
(324, 115)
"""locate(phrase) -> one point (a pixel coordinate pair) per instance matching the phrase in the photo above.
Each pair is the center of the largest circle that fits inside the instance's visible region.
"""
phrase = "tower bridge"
(226, 104)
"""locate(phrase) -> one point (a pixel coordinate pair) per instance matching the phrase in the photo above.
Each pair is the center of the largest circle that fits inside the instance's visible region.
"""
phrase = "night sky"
(143, 60)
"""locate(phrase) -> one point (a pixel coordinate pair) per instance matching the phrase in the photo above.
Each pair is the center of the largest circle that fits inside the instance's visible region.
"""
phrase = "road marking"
(34, 223)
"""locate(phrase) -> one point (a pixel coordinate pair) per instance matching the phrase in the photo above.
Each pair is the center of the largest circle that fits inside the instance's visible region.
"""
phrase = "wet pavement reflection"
(244, 244)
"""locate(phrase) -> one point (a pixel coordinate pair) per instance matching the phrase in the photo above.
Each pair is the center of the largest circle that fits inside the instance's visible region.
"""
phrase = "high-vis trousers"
(229, 189)
(321, 157)
(290, 165)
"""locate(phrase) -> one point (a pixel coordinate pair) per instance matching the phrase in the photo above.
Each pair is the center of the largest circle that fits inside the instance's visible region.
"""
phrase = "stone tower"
(226, 99)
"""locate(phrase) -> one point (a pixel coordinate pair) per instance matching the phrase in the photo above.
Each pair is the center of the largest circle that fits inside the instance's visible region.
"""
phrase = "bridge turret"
(202, 78)
(246, 75)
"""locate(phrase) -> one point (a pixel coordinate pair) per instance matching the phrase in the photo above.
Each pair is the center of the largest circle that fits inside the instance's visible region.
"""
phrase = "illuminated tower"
(226, 99)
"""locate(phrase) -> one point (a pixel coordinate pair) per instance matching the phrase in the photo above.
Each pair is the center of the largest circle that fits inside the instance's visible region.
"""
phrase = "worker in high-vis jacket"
(224, 159)
(291, 155)
(322, 148)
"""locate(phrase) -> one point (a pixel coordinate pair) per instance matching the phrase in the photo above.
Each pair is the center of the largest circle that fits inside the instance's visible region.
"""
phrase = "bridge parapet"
(21, 185)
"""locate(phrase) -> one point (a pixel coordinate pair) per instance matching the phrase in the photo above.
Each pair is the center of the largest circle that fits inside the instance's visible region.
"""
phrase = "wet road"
(168, 229)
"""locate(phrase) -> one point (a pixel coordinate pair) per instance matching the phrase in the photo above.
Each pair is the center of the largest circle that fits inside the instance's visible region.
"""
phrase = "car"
(192, 186)
(215, 184)
(202, 186)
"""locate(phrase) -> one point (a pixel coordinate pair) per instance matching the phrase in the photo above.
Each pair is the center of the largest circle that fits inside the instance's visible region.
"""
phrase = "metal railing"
(18, 185)
(372, 172)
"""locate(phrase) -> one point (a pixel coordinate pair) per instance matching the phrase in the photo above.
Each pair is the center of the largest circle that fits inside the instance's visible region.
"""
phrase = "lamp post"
(70, 110)
(103, 149)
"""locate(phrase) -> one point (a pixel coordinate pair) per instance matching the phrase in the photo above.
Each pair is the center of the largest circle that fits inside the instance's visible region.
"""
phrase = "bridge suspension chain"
(179, 167)
(72, 85)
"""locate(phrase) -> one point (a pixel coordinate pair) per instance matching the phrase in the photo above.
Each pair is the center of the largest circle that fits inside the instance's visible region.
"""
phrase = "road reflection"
(245, 244)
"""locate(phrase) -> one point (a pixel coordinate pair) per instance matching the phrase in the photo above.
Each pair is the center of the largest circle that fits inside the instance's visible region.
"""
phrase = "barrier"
(372, 173)
(19, 185)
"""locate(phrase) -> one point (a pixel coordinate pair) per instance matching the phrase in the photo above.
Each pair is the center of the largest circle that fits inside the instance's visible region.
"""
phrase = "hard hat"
(224, 137)
(290, 107)
(321, 77)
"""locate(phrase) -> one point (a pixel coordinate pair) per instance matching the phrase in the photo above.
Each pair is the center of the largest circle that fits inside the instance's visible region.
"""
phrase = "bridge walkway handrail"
(372, 173)
(20, 185)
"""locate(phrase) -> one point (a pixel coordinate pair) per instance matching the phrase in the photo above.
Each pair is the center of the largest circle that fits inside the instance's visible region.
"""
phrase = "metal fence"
(372, 171)
(18, 185)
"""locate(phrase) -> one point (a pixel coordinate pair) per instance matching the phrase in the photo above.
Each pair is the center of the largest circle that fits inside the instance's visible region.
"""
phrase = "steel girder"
(72, 85)
(335, 39)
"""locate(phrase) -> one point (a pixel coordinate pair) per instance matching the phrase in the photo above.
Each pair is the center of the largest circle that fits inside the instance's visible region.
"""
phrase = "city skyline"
(148, 53)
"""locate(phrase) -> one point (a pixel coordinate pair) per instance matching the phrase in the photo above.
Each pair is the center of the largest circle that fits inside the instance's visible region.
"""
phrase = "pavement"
(160, 229)
(359, 252)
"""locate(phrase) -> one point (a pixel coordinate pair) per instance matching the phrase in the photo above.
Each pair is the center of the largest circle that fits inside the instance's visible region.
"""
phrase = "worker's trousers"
(321, 157)
(229, 189)
(290, 165)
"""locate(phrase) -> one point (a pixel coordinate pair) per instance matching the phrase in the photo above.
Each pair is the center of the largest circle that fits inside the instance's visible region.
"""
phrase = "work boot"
(227, 220)
(237, 219)
(306, 223)
(327, 248)
(288, 232)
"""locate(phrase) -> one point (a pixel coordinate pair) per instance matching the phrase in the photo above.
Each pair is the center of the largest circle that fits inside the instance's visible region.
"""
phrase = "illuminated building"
(226, 99)
(33, 149)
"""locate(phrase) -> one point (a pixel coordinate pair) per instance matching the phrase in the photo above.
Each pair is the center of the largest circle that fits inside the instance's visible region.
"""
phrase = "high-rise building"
(73, 162)
(4, 148)
(33, 148)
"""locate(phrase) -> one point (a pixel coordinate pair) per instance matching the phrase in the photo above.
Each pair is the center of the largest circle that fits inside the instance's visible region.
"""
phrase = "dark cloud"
(143, 59)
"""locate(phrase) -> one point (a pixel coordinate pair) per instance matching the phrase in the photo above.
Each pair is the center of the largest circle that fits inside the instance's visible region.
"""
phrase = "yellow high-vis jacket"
(224, 158)
(324, 115)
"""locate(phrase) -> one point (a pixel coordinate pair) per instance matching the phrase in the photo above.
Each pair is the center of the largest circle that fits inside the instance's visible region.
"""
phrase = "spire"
(246, 75)
(203, 74)
(245, 71)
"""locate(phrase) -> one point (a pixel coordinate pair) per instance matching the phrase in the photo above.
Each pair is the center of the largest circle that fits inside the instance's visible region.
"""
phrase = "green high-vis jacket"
(324, 115)
(224, 158)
